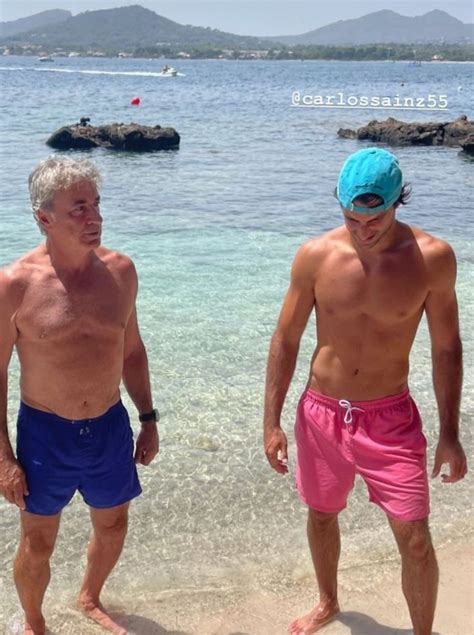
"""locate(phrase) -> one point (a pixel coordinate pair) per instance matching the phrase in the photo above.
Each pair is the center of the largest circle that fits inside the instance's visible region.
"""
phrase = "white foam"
(85, 72)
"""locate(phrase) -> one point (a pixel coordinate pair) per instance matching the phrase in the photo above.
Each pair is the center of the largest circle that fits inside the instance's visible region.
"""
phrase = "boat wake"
(88, 72)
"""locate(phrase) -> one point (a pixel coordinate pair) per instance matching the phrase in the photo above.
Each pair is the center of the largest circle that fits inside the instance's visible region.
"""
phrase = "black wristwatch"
(149, 417)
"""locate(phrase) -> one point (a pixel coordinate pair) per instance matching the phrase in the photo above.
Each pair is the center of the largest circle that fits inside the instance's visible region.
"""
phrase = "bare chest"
(54, 311)
(389, 291)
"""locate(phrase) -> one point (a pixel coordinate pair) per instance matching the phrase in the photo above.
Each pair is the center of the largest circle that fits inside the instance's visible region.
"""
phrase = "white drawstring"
(349, 409)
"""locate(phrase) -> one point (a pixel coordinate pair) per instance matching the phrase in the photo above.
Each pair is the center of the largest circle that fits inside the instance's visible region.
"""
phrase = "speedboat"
(46, 58)
(168, 71)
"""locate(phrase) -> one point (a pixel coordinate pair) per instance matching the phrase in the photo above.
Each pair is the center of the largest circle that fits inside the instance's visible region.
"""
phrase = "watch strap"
(152, 416)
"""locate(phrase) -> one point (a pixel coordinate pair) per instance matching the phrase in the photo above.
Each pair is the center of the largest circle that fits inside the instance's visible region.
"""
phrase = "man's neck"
(69, 261)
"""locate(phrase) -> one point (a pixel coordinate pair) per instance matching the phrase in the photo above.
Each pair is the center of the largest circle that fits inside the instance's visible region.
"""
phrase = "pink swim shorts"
(382, 440)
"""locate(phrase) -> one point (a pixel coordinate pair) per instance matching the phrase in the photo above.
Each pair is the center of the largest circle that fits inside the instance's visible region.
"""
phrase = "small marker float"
(135, 101)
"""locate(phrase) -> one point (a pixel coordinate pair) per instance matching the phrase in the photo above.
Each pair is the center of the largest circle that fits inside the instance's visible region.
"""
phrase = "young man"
(369, 282)
(68, 307)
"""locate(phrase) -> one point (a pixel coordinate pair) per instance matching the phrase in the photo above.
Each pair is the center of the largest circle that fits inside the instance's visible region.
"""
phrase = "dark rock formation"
(131, 137)
(467, 144)
(395, 132)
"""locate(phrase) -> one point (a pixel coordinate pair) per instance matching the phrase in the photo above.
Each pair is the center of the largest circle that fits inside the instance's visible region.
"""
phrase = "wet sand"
(370, 596)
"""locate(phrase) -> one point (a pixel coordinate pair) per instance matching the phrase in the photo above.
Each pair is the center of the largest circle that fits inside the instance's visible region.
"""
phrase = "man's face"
(74, 215)
(368, 229)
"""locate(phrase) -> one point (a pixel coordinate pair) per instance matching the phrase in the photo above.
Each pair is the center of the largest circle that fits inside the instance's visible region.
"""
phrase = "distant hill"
(136, 29)
(127, 28)
(37, 21)
(385, 27)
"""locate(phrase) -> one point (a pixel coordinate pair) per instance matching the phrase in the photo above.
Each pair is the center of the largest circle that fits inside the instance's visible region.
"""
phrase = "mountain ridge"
(130, 27)
(386, 27)
(126, 28)
(37, 20)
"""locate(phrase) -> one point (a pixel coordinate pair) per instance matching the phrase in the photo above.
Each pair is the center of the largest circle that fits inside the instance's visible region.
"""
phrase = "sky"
(257, 17)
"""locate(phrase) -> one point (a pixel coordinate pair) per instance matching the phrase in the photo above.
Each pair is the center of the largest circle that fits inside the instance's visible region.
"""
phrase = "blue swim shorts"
(60, 456)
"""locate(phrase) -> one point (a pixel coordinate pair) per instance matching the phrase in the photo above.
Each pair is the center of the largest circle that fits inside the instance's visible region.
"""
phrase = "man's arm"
(446, 353)
(136, 379)
(12, 478)
(297, 307)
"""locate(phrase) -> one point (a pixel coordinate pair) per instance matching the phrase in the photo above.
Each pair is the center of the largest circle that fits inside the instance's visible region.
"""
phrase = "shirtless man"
(369, 282)
(68, 307)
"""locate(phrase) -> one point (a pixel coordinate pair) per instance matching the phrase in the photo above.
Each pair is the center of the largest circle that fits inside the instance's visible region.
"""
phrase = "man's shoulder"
(320, 246)
(314, 253)
(19, 272)
(115, 259)
(438, 257)
(433, 248)
(118, 263)
(14, 279)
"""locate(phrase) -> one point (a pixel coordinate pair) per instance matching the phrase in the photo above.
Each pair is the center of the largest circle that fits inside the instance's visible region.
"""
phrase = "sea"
(213, 228)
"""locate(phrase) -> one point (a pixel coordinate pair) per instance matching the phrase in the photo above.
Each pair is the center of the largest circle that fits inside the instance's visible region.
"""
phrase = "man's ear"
(44, 219)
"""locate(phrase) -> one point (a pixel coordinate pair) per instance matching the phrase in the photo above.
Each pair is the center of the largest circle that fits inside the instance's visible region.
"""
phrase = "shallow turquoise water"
(213, 228)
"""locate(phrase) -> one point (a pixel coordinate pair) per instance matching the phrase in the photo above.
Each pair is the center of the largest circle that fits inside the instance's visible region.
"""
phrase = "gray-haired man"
(68, 306)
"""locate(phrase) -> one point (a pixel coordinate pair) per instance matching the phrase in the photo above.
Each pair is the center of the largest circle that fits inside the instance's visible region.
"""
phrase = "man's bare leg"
(31, 568)
(419, 572)
(325, 545)
(105, 547)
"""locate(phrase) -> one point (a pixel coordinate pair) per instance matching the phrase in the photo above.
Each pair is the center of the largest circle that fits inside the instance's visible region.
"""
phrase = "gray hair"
(58, 173)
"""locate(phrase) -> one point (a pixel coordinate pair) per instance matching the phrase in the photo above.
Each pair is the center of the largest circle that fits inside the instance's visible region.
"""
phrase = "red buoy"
(135, 101)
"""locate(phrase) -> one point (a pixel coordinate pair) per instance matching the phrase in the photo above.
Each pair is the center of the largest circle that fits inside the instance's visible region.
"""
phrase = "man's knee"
(36, 547)
(111, 528)
(414, 539)
(321, 521)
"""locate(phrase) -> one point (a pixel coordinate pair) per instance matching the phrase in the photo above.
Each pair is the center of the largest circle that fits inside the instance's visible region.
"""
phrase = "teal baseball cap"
(369, 171)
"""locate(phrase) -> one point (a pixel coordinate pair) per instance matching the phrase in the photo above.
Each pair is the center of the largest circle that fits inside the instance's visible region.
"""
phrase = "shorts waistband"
(373, 404)
(51, 418)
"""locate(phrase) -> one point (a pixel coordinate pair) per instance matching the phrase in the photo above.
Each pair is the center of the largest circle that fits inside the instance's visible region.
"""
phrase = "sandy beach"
(371, 602)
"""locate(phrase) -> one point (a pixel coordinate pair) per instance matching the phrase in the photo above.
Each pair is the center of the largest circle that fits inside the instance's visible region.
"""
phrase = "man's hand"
(450, 451)
(276, 449)
(148, 444)
(13, 482)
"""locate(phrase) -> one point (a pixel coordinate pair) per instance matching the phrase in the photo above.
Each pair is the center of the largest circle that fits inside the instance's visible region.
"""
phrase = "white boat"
(168, 71)
(46, 58)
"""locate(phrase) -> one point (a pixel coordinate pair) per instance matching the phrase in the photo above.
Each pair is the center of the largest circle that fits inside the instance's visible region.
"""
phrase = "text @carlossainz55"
(394, 102)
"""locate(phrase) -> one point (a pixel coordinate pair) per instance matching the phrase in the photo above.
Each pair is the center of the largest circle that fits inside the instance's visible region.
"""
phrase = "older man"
(68, 306)
(369, 282)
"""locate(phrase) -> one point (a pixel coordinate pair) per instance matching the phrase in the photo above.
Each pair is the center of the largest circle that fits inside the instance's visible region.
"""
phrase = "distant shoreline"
(217, 59)
(416, 53)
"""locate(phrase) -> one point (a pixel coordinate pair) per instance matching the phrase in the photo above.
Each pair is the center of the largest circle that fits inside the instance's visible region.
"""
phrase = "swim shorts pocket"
(32, 442)
(398, 426)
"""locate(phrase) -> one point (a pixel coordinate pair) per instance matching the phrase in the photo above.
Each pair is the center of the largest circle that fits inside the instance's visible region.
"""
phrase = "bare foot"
(322, 614)
(37, 627)
(96, 612)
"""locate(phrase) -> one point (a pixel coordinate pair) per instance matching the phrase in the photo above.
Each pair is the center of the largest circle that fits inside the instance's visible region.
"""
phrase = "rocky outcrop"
(130, 137)
(395, 132)
(467, 144)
